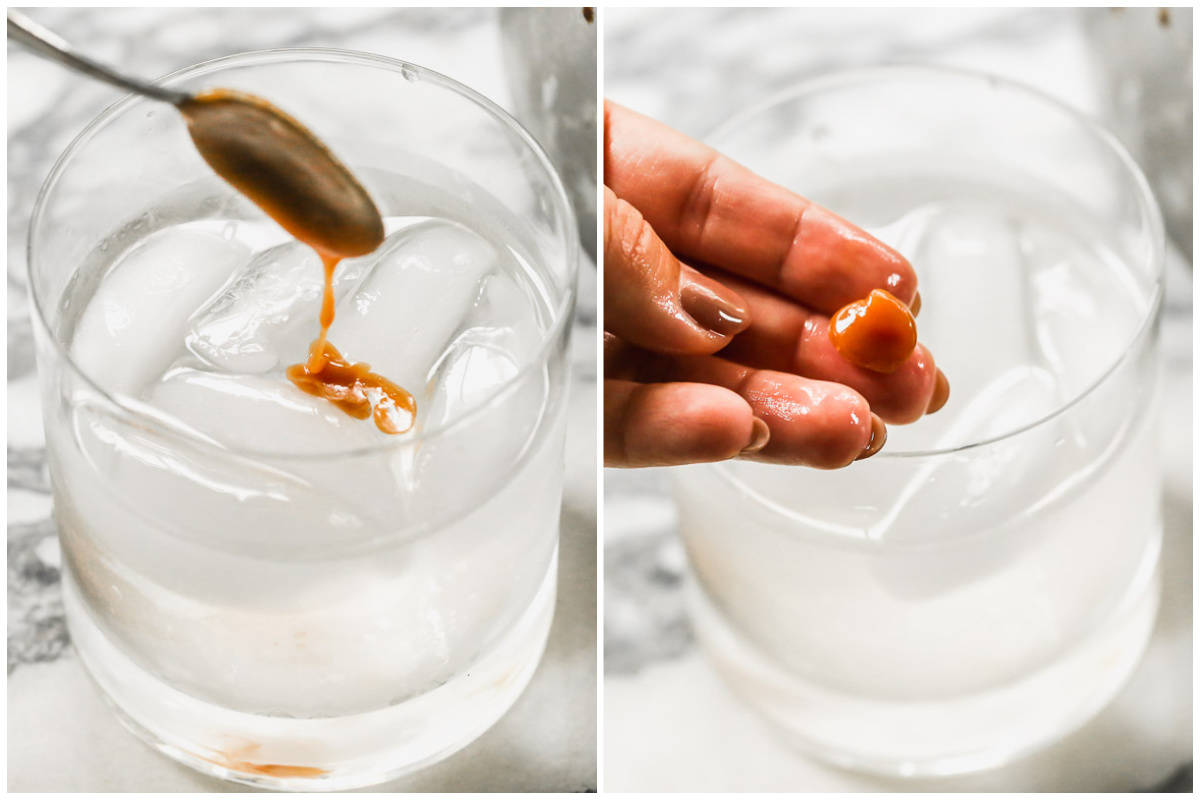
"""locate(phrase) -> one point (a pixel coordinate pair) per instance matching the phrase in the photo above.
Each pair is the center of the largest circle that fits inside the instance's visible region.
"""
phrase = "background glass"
(981, 586)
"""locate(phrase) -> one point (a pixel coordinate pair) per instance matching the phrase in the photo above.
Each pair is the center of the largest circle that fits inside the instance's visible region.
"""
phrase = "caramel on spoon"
(286, 171)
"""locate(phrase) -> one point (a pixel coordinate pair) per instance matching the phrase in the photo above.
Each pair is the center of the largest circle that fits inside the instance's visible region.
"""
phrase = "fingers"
(708, 208)
(663, 424)
(665, 194)
(652, 300)
(788, 337)
(811, 423)
(898, 397)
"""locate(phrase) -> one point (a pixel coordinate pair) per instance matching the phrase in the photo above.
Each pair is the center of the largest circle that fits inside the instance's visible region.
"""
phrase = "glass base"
(950, 736)
(316, 754)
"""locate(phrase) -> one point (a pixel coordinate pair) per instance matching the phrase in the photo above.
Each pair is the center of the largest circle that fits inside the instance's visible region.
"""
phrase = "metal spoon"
(265, 154)
(50, 45)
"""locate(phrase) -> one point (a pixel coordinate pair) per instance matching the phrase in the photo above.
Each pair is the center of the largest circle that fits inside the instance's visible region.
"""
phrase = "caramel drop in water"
(353, 388)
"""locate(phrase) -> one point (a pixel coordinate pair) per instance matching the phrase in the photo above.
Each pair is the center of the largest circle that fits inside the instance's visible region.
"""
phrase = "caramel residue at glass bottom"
(232, 761)
(278, 770)
(353, 388)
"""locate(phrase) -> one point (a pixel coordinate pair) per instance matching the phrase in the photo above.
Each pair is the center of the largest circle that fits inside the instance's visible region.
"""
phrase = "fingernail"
(760, 434)
(878, 437)
(915, 305)
(941, 393)
(710, 309)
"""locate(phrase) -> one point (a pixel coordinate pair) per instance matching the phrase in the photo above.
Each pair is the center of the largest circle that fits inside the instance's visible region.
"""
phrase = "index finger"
(709, 208)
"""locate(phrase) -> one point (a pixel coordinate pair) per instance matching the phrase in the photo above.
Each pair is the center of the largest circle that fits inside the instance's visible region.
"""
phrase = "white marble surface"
(61, 736)
(670, 724)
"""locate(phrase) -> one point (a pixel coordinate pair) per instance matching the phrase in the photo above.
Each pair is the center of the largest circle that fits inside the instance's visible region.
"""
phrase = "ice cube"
(500, 335)
(506, 317)
(202, 493)
(975, 489)
(422, 283)
(976, 317)
(477, 448)
(267, 313)
(906, 232)
(133, 328)
(269, 414)
(1085, 316)
(975, 492)
(259, 413)
(469, 374)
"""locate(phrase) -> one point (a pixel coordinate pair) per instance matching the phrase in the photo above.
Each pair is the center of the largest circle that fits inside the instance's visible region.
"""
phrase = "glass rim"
(129, 407)
(1147, 205)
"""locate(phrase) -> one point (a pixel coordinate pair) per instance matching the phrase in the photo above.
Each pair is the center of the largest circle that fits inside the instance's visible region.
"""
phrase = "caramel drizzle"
(351, 386)
(287, 172)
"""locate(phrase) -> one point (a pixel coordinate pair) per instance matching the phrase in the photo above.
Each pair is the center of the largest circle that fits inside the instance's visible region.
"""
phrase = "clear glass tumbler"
(988, 580)
(287, 610)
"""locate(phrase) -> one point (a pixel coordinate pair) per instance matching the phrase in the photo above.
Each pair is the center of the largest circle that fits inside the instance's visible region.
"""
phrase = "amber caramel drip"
(316, 353)
(351, 386)
(877, 333)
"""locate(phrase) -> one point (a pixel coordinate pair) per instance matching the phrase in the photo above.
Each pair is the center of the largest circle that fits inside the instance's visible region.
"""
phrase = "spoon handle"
(52, 46)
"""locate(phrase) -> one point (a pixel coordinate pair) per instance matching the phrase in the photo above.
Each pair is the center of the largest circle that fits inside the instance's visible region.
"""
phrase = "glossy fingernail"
(760, 434)
(915, 305)
(705, 304)
(941, 393)
(878, 437)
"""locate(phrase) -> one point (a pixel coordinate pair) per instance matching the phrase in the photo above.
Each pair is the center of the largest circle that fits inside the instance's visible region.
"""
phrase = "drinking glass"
(988, 580)
(282, 612)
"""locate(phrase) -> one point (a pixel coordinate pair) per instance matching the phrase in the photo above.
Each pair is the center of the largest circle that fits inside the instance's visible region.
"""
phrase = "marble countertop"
(670, 723)
(547, 742)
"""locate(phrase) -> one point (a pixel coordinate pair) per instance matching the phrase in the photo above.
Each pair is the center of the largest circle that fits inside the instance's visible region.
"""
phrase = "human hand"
(718, 289)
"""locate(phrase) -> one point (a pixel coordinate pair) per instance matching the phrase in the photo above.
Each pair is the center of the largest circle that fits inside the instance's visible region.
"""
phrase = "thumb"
(652, 300)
